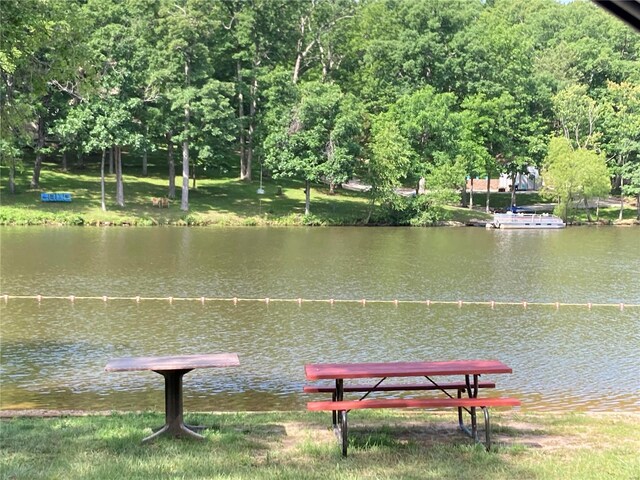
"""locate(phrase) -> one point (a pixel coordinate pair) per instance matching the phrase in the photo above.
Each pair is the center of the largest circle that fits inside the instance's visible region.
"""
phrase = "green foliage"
(578, 116)
(16, 216)
(387, 90)
(572, 175)
(390, 157)
(317, 139)
(427, 119)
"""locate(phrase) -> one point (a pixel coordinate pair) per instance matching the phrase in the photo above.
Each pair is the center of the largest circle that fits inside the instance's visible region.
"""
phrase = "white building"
(524, 181)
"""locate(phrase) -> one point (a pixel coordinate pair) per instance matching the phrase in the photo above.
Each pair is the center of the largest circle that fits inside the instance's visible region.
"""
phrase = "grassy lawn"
(222, 200)
(298, 445)
(219, 199)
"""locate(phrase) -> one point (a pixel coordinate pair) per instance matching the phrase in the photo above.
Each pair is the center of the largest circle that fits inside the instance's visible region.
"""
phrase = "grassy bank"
(298, 445)
(220, 199)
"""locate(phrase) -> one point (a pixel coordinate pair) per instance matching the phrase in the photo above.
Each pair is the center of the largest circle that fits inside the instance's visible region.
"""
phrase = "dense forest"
(422, 93)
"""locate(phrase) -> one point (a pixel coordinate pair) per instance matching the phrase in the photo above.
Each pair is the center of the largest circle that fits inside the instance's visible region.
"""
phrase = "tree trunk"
(172, 167)
(241, 119)
(144, 163)
(638, 206)
(144, 153)
(119, 183)
(64, 161)
(513, 190)
(300, 53)
(12, 176)
(253, 106)
(251, 131)
(586, 206)
(471, 195)
(184, 205)
(487, 209)
(111, 161)
(296, 68)
(102, 161)
(324, 61)
(80, 158)
(193, 176)
(307, 194)
(464, 194)
(35, 179)
(621, 214)
(621, 163)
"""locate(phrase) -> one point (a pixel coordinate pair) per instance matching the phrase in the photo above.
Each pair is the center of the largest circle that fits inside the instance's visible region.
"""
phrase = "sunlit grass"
(299, 445)
(219, 199)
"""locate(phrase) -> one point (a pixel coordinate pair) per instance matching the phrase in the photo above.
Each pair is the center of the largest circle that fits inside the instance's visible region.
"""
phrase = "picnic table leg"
(339, 417)
(472, 392)
(487, 428)
(474, 419)
(337, 395)
(174, 423)
(344, 432)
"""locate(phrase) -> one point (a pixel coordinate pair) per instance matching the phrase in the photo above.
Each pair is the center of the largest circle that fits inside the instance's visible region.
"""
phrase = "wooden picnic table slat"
(177, 362)
(325, 371)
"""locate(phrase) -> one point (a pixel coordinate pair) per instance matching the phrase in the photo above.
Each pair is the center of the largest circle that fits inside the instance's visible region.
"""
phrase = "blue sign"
(55, 197)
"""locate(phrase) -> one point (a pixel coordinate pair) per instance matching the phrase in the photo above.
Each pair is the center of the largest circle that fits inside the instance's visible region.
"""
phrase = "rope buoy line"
(267, 300)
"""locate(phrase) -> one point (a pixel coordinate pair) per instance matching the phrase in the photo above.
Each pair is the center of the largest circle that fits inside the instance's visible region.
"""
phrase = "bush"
(19, 217)
(417, 210)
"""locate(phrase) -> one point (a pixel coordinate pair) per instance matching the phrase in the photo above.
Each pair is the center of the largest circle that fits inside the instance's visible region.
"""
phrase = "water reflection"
(53, 353)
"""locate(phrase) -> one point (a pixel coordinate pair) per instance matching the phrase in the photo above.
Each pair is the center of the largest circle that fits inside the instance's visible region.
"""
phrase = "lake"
(568, 356)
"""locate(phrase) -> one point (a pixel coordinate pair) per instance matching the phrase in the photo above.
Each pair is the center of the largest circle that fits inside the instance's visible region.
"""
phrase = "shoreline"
(55, 413)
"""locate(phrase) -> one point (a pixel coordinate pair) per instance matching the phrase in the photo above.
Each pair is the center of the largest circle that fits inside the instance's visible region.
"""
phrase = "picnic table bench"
(470, 369)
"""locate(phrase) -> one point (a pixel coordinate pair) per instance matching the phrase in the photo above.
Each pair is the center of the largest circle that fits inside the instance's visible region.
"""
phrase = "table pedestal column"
(174, 424)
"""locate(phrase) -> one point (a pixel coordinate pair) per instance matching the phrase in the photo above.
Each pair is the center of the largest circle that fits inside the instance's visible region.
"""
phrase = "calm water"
(53, 352)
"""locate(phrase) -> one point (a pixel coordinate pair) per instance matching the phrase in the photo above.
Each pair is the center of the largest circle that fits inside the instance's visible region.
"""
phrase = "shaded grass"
(298, 445)
(220, 199)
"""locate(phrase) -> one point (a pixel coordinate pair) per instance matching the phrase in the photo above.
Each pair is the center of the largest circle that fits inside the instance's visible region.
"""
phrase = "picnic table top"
(176, 362)
(320, 371)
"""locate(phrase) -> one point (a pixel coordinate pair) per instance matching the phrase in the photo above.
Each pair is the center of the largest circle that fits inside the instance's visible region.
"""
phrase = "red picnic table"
(470, 370)
(173, 368)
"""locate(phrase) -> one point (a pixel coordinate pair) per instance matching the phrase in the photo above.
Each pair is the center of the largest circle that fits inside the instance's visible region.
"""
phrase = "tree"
(389, 160)
(261, 36)
(496, 69)
(621, 136)
(428, 121)
(474, 155)
(577, 116)
(317, 139)
(36, 46)
(397, 47)
(573, 175)
(631, 172)
(184, 74)
(445, 182)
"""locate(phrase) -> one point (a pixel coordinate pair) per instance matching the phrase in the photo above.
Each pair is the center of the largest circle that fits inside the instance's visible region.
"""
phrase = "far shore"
(222, 200)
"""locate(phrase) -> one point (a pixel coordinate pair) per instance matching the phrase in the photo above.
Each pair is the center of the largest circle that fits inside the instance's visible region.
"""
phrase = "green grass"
(298, 445)
(219, 199)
